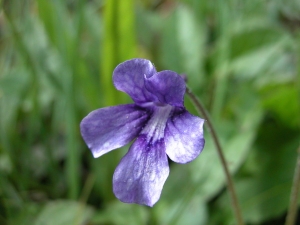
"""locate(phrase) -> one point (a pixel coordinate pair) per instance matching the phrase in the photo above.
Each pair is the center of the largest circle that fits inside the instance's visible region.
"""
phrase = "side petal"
(142, 172)
(184, 137)
(109, 128)
(168, 86)
(129, 77)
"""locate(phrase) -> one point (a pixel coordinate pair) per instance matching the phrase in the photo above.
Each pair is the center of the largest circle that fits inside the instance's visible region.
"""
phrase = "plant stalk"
(293, 208)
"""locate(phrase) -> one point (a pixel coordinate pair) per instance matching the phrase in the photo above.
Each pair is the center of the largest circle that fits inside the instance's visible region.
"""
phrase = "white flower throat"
(155, 127)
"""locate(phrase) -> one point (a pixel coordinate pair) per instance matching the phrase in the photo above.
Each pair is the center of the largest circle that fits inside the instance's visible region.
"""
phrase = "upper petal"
(141, 174)
(184, 137)
(129, 77)
(168, 86)
(109, 128)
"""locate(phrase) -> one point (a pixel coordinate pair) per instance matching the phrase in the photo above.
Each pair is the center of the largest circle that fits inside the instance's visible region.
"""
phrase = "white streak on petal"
(155, 128)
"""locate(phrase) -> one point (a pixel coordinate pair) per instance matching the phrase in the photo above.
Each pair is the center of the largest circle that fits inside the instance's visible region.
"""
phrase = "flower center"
(155, 127)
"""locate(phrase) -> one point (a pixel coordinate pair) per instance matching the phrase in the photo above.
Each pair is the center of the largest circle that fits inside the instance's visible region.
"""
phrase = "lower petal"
(141, 174)
(109, 128)
(184, 137)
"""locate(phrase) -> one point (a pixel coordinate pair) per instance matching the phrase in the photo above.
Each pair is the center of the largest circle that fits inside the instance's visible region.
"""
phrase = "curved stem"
(292, 213)
(234, 201)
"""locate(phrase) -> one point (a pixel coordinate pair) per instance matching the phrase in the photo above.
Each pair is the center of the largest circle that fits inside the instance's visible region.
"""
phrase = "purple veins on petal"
(141, 174)
(109, 128)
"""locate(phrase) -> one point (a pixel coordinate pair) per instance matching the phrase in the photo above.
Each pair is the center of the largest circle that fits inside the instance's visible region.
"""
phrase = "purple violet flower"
(157, 120)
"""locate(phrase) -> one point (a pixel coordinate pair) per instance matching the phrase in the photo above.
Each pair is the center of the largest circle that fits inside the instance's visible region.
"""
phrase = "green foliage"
(265, 179)
(241, 59)
(121, 214)
(66, 212)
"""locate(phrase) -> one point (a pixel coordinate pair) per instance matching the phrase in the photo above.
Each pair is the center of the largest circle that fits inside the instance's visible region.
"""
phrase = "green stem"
(86, 191)
(231, 189)
(293, 208)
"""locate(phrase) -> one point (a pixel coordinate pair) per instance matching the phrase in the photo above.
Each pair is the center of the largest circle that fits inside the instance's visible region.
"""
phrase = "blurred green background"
(56, 62)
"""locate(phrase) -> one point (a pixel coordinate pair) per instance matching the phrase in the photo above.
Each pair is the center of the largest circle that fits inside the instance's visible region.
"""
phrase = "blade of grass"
(73, 160)
(109, 57)
(126, 31)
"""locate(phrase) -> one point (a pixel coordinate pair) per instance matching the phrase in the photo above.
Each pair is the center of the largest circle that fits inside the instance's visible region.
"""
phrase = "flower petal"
(109, 128)
(168, 86)
(184, 137)
(129, 77)
(141, 174)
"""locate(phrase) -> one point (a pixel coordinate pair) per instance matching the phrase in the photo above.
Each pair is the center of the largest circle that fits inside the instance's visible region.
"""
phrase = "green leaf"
(254, 63)
(265, 183)
(182, 211)
(118, 213)
(64, 212)
(251, 34)
(236, 147)
(182, 45)
(12, 89)
(282, 100)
